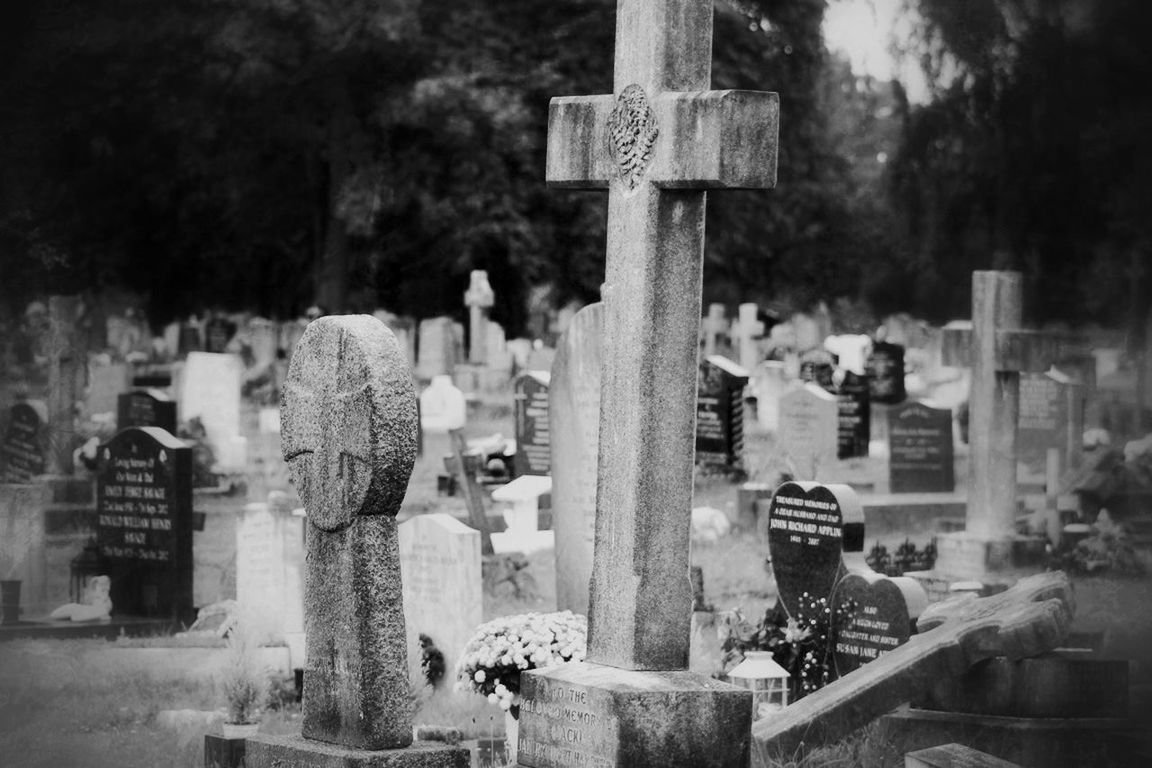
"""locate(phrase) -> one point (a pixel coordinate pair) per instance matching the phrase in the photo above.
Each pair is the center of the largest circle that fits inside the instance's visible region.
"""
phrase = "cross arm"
(1015, 350)
(706, 140)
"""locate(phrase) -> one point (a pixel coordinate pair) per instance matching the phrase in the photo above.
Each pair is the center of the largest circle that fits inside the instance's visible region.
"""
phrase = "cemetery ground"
(68, 703)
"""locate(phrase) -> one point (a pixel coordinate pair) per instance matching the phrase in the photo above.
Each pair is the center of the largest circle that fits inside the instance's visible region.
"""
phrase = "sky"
(864, 30)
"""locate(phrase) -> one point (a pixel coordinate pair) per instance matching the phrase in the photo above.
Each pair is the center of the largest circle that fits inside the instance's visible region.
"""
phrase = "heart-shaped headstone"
(809, 526)
(872, 614)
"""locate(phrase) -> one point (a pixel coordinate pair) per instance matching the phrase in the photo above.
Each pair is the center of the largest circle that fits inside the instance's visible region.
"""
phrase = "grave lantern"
(767, 680)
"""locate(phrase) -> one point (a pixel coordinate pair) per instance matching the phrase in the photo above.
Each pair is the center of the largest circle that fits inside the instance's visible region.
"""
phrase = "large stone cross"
(997, 350)
(349, 435)
(1031, 618)
(656, 143)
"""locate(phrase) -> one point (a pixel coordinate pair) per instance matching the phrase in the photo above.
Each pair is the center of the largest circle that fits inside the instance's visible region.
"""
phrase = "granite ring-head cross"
(349, 435)
(347, 430)
(657, 143)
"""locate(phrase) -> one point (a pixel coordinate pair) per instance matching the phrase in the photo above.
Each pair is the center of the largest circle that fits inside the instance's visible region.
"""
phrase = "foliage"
(244, 682)
(501, 649)
(802, 644)
(1030, 155)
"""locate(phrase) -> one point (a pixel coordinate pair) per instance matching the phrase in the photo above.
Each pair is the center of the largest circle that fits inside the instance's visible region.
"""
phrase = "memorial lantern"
(767, 680)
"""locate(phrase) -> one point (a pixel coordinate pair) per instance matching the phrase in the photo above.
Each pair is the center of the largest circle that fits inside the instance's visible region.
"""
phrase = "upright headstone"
(1051, 416)
(436, 348)
(886, 373)
(218, 331)
(920, 449)
(146, 408)
(854, 414)
(270, 570)
(720, 414)
(810, 526)
(818, 366)
(809, 423)
(574, 412)
(656, 144)
(479, 299)
(443, 586)
(712, 328)
(533, 436)
(105, 384)
(769, 384)
(997, 351)
(349, 431)
(144, 522)
(747, 330)
(210, 390)
(442, 406)
(23, 450)
(66, 369)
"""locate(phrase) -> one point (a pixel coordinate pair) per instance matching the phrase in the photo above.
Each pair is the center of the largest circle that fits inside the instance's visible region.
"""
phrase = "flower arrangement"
(801, 644)
(503, 648)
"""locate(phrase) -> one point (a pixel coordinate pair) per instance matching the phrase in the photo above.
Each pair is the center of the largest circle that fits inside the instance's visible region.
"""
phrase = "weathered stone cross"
(1031, 618)
(657, 144)
(349, 436)
(479, 298)
(713, 325)
(997, 351)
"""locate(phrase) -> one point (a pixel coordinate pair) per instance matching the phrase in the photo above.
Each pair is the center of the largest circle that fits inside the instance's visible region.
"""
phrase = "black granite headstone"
(144, 408)
(144, 522)
(920, 449)
(23, 448)
(809, 526)
(533, 440)
(217, 333)
(879, 619)
(854, 424)
(720, 414)
(818, 365)
(885, 368)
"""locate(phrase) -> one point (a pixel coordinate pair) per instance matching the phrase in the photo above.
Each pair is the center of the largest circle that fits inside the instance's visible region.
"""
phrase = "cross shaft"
(657, 145)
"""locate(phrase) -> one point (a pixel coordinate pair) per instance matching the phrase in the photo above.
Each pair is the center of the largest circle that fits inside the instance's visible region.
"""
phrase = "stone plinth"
(594, 715)
(963, 556)
(298, 752)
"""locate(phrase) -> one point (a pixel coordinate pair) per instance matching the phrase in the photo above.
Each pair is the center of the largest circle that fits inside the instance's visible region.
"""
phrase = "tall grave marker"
(720, 414)
(574, 413)
(66, 369)
(657, 142)
(349, 432)
(144, 521)
(748, 329)
(808, 428)
(479, 298)
(997, 351)
(712, 327)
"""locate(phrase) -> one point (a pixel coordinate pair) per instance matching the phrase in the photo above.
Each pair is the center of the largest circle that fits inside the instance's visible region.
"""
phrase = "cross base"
(599, 716)
(994, 562)
(298, 752)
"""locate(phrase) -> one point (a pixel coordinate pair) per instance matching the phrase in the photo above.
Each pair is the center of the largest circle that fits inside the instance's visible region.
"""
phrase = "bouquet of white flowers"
(503, 648)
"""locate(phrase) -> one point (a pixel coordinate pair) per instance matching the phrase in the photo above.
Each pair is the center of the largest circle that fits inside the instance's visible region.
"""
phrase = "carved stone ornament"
(632, 135)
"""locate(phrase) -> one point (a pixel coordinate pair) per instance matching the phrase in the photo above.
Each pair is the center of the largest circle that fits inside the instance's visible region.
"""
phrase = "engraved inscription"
(574, 733)
(632, 135)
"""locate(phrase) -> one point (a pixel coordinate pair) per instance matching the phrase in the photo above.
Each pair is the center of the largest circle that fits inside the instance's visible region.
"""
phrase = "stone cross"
(747, 329)
(65, 361)
(1029, 619)
(657, 143)
(997, 351)
(349, 435)
(714, 324)
(479, 298)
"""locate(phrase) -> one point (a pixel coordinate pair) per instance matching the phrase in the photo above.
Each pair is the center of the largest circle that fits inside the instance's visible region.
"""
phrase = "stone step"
(954, 756)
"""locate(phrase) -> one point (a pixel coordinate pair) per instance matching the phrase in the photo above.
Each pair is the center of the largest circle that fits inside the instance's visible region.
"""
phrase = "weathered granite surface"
(589, 714)
(296, 752)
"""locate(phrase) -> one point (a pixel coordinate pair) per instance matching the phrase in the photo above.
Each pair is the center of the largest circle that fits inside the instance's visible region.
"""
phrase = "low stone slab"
(954, 756)
(297, 752)
(1029, 619)
(594, 715)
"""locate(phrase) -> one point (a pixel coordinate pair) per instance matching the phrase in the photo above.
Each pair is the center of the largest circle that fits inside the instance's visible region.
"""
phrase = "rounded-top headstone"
(348, 423)
(810, 525)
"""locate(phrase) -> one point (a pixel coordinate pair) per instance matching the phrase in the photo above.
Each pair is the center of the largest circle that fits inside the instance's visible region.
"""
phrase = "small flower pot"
(240, 730)
(10, 601)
